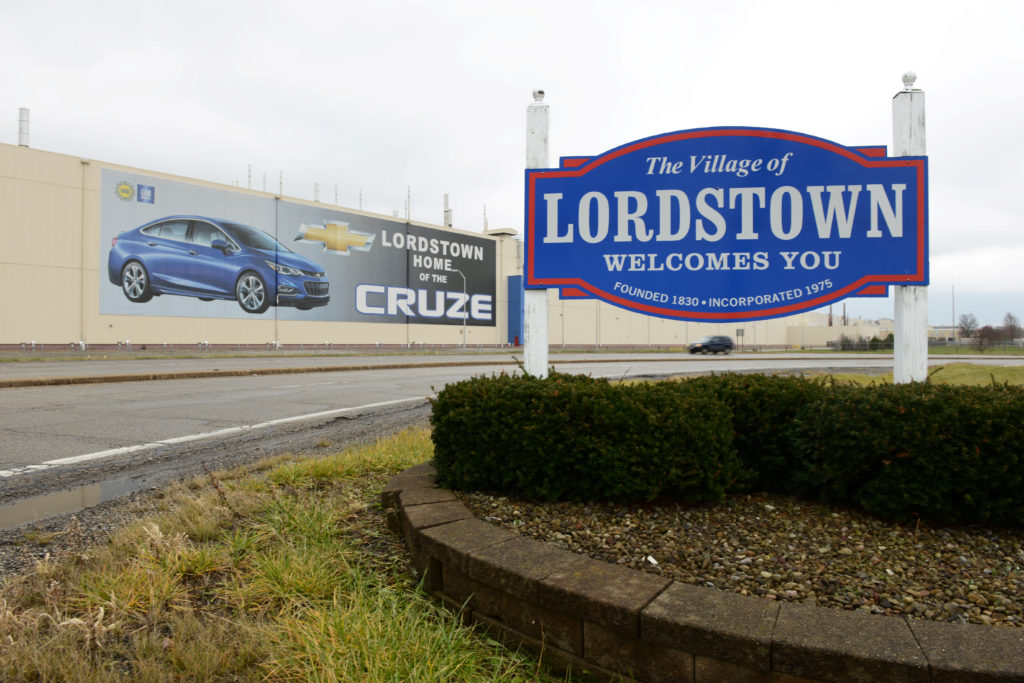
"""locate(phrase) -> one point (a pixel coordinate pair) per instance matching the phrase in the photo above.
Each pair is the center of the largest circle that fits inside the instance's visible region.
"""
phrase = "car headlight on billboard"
(283, 269)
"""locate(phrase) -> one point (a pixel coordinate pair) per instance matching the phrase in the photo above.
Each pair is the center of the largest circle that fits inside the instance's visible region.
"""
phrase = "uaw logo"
(125, 191)
(336, 237)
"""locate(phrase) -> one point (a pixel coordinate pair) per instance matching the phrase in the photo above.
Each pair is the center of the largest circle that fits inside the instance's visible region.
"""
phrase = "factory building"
(98, 254)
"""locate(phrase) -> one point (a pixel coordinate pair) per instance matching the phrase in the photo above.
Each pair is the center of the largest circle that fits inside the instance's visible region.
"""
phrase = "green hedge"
(764, 410)
(944, 453)
(575, 438)
(941, 453)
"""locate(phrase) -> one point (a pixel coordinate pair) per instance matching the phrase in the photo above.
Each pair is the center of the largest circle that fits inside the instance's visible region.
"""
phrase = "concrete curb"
(150, 376)
(610, 621)
(145, 377)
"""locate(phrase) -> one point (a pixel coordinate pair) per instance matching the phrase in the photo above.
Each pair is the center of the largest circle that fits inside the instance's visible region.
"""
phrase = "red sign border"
(865, 156)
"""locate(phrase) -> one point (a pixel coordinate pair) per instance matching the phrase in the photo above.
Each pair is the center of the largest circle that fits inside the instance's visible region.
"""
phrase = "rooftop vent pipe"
(23, 127)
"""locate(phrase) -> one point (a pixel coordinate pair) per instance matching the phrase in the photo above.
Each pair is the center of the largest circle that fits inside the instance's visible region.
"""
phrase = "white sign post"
(910, 361)
(535, 301)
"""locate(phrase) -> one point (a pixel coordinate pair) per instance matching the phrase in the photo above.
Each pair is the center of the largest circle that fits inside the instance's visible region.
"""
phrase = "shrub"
(938, 452)
(763, 411)
(575, 438)
(944, 453)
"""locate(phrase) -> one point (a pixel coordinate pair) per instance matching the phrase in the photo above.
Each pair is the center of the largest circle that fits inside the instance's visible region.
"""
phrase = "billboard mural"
(727, 224)
(178, 249)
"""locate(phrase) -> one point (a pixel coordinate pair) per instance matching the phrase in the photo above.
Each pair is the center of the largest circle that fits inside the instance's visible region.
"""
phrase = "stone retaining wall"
(609, 620)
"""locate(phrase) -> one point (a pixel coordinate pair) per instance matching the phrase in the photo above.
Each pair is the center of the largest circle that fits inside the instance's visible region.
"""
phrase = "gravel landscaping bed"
(785, 549)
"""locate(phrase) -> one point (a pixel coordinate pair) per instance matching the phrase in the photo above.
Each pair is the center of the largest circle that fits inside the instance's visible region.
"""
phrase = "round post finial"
(538, 96)
(909, 79)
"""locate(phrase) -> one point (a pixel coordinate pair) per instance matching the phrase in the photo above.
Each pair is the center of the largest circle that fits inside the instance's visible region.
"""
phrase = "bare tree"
(1011, 327)
(987, 337)
(968, 325)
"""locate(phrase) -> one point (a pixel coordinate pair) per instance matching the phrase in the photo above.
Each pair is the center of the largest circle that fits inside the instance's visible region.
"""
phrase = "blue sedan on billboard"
(214, 259)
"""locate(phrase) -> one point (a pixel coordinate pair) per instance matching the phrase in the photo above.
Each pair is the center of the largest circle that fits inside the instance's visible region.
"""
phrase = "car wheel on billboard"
(135, 282)
(251, 292)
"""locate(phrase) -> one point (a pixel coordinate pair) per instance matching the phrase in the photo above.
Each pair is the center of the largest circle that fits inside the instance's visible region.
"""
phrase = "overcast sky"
(379, 97)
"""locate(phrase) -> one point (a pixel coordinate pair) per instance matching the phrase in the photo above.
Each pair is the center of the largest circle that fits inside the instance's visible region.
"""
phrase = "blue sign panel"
(727, 224)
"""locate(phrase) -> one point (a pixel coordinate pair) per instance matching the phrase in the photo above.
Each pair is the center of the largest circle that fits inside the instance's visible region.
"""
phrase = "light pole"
(465, 302)
(956, 337)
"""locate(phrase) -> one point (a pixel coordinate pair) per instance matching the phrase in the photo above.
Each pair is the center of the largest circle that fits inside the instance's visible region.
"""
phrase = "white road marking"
(75, 459)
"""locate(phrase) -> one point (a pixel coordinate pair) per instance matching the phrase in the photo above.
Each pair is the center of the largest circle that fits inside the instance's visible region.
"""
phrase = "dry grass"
(282, 572)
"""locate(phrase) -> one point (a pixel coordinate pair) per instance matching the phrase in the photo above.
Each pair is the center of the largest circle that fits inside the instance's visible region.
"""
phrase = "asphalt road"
(59, 435)
(40, 424)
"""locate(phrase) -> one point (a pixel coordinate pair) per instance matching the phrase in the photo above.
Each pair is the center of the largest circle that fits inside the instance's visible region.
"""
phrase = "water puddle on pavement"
(62, 502)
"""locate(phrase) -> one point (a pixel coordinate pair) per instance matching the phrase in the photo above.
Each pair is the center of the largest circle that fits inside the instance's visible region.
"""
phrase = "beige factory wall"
(44, 271)
(575, 322)
(509, 257)
(50, 272)
(820, 336)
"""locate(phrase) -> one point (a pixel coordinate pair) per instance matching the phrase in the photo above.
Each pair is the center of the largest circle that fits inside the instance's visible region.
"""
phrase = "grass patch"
(970, 374)
(971, 350)
(276, 572)
(967, 374)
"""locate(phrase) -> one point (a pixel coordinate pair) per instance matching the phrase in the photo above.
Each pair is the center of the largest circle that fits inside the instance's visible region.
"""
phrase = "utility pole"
(465, 313)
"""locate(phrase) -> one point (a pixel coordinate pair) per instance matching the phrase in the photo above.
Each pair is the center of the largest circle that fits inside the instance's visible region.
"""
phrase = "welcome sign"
(727, 224)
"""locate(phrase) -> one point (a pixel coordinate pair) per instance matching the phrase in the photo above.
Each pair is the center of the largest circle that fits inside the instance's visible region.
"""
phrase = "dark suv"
(718, 343)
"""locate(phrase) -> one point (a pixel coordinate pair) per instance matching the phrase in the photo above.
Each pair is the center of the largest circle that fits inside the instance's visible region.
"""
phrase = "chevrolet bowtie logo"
(336, 237)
